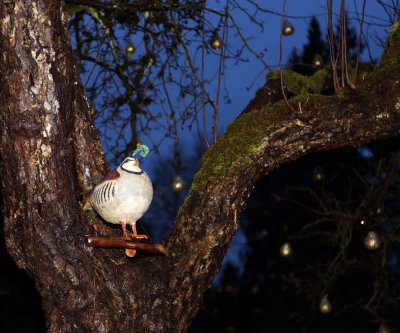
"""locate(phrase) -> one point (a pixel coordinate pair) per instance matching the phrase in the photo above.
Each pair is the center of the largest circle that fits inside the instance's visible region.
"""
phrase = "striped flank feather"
(104, 193)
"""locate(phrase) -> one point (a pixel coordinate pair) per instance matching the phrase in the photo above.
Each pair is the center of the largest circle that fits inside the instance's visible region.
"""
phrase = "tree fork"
(51, 157)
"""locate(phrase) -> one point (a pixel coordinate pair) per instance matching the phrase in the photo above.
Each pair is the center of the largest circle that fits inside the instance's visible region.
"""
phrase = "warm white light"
(178, 184)
(216, 42)
(130, 49)
(285, 250)
(325, 306)
(372, 241)
(287, 29)
(318, 174)
(318, 62)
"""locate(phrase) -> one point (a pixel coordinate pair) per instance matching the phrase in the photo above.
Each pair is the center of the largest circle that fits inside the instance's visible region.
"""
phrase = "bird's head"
(131, 165)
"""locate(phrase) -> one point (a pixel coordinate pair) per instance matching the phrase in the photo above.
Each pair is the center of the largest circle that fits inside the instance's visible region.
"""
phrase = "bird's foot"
(135, 233)
(139, 236)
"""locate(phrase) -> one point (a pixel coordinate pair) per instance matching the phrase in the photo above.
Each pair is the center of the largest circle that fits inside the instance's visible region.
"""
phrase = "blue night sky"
(243, 79)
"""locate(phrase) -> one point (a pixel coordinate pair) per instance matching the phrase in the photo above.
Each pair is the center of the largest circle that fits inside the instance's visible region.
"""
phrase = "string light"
(178, 184)
(129, 50)
(318, 174)
(287, 29)
(285, 250)
(325, 305)
(216, 42)
(317, 61)
(372, 241)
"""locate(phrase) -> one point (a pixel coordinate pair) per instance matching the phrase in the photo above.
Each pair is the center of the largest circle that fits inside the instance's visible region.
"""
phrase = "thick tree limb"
(258, 142)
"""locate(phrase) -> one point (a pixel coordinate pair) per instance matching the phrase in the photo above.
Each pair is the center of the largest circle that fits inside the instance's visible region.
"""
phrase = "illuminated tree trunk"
(51, 157)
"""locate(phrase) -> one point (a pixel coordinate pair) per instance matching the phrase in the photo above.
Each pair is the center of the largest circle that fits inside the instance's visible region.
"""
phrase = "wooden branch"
(124, 243)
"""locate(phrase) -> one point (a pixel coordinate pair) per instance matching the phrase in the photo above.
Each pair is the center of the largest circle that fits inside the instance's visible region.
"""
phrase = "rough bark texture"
(50, 157)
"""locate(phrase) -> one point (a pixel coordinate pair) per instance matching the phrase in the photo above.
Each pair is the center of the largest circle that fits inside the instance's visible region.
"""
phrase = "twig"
(220, 69)
(360, 39)
(332, 51)
(124, 243)
(203, 88)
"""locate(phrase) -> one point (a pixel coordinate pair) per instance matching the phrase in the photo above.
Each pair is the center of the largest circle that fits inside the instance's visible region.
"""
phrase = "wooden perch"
(124, 243)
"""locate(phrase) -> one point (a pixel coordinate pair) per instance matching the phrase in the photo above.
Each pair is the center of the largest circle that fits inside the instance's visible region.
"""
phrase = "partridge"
(124, 195)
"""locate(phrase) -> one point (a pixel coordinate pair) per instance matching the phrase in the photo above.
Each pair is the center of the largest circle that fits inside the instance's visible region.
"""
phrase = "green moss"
(391, 55)
(90, 216)
(364, 70)
(234, 150)
(298, 84)
(309, 101)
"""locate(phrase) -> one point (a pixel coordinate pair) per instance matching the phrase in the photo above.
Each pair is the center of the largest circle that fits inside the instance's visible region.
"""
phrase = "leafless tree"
(51, 157)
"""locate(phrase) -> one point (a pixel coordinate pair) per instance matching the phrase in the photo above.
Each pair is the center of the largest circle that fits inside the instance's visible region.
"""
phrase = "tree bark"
(51, 157)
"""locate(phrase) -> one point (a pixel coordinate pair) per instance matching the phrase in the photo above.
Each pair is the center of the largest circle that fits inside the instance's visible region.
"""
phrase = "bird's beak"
(136, 163)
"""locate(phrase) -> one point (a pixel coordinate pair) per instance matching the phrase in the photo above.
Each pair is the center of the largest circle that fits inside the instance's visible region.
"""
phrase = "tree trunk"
(51, 157)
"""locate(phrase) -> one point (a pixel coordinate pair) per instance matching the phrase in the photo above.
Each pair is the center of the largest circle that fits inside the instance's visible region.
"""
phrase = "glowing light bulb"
(285, 250)
(178, 184)
(318, 174)
(317, 61)
(130, 49)
(372, 241)
(325, 305)
(216, 42)
(287, 29)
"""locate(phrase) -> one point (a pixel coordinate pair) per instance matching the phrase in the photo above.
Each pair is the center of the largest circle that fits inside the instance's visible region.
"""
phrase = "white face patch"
(131, 165)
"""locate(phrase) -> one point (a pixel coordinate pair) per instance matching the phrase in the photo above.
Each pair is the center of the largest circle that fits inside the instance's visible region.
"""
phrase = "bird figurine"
(124, 195)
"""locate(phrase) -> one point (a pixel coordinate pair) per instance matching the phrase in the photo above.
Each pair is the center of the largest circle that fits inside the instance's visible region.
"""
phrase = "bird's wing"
(88, 201)
(110, 176)
(104, 192)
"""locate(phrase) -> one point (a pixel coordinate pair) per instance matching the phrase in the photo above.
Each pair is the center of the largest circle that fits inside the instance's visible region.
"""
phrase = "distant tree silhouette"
(317, 45)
